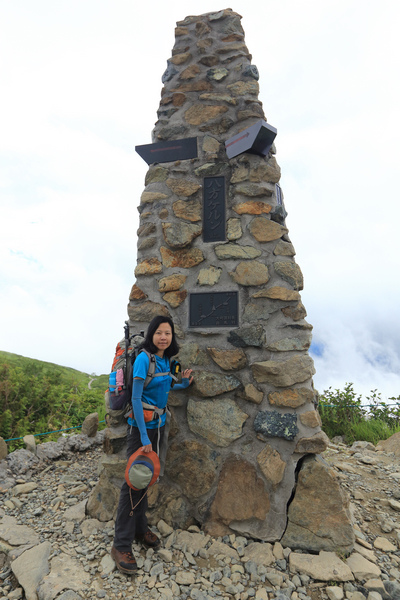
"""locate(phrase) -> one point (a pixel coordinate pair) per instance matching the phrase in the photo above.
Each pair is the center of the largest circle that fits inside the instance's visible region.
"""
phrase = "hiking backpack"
(121, 377)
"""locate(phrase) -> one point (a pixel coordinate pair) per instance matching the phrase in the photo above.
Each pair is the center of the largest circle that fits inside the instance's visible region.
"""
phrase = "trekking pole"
(127, 342)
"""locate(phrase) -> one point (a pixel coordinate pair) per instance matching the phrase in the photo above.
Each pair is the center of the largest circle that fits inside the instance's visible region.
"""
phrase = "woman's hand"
(147, 448)
(187, 375)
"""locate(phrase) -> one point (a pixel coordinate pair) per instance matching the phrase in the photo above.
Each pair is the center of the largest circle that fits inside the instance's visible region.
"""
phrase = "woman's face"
(162, 338)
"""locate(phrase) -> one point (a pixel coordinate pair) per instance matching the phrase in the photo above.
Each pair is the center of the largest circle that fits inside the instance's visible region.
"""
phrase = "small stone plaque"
(213, 309)
(214, 220)
(168, 151)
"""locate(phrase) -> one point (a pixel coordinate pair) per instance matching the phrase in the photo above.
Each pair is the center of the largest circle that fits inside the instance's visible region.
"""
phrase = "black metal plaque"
(214, 221)
(279, 200)
(168, 151)
(213, 309)
(256, 139)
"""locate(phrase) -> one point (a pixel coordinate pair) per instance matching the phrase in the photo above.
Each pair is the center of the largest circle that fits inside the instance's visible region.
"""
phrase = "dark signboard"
(279, 199)
(213, 309)
(256, 139)
(168, 151)
(214, 221)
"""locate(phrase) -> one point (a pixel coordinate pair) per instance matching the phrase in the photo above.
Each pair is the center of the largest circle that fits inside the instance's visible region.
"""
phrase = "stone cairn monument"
(214, 254)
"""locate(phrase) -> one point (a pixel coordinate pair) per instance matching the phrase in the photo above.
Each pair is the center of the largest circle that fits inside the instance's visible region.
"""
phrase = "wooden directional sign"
(168, 151)
(256, 139)
(213, 309)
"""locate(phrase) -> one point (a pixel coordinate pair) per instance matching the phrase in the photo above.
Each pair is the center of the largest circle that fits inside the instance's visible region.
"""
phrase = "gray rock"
(107, 565)
(21, 461)
(3, 449)
(90, 425)
(247, 336)
(324, 567)
(24, 488)
(78, 443)
(251, 71)
(66, 573)
(17, 535)
(328, 526)
(76, 512)
(259, 554)
(392, 588)
(51, 450)
(290, 272)
(219, 421)
(169, 72)
(209, 385)
(7, 481)
(362, 568)
(275, 424)
(31, 567)
(29, 441)
(91, 526)
(70, 595)
(284, 373)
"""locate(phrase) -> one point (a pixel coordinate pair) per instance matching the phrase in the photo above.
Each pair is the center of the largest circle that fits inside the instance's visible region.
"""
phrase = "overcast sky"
(81, 83)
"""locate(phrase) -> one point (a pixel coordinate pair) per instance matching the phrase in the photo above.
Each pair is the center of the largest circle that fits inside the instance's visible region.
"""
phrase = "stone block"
(228, 360)
(148, 266)
(183, 187)
(326, 566)
(290, 272)
(189, 210)
(180, 235)
(171, 283)
(275, 424)
(271, 465)
(241, 494)
(328, 525)
(209, 276)
(265, 230)
(146, 311)
(252, 207)
(284, 373)
(219, 421)
(193, 466)
(250, 273)
(253, 335)
(315, 444)
(90, 425)
(185, 258)
(208, 384)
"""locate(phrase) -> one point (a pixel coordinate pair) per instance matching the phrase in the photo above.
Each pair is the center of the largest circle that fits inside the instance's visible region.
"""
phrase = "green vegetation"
(343, 413)
(37, 397)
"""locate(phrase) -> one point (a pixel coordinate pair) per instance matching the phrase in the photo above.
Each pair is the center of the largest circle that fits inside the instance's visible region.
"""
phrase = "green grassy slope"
(38, 396)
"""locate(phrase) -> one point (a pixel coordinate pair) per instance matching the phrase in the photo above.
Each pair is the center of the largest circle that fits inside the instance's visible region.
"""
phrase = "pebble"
(182, 569)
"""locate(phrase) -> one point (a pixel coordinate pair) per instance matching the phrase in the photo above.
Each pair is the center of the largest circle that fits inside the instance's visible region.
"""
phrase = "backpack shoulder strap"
(152, 367)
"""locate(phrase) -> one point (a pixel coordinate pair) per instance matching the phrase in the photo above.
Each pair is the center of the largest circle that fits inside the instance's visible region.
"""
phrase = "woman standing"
(131, 522)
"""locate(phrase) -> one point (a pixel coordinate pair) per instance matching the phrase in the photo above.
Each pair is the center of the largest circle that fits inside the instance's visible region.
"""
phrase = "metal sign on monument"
(256, 139)
(214, 221)
(168, 151)
(213, 309)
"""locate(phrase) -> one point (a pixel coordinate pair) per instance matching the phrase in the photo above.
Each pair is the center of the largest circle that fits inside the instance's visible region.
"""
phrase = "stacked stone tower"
(240, 430)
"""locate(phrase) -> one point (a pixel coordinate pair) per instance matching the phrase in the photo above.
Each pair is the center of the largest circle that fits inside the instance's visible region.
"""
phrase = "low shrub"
(344, 413)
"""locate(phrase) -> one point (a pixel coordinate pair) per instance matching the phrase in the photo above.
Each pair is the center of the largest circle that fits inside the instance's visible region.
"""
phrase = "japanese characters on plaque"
(214, 228)
(213, 309)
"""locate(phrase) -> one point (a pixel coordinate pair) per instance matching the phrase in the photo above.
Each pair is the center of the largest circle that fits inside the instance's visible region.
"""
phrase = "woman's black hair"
(148, 345)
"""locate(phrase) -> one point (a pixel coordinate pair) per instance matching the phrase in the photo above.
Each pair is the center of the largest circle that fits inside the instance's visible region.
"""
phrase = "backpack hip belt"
(156, 412)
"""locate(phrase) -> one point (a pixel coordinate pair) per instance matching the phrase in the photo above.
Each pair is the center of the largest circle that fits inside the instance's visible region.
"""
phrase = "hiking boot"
(125, 561)
(148, 539)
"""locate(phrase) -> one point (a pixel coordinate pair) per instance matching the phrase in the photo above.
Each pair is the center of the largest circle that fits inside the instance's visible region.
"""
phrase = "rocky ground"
(50, 549)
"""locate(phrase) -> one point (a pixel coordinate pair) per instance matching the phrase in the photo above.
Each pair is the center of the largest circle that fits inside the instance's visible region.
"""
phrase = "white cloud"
(80, 88)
